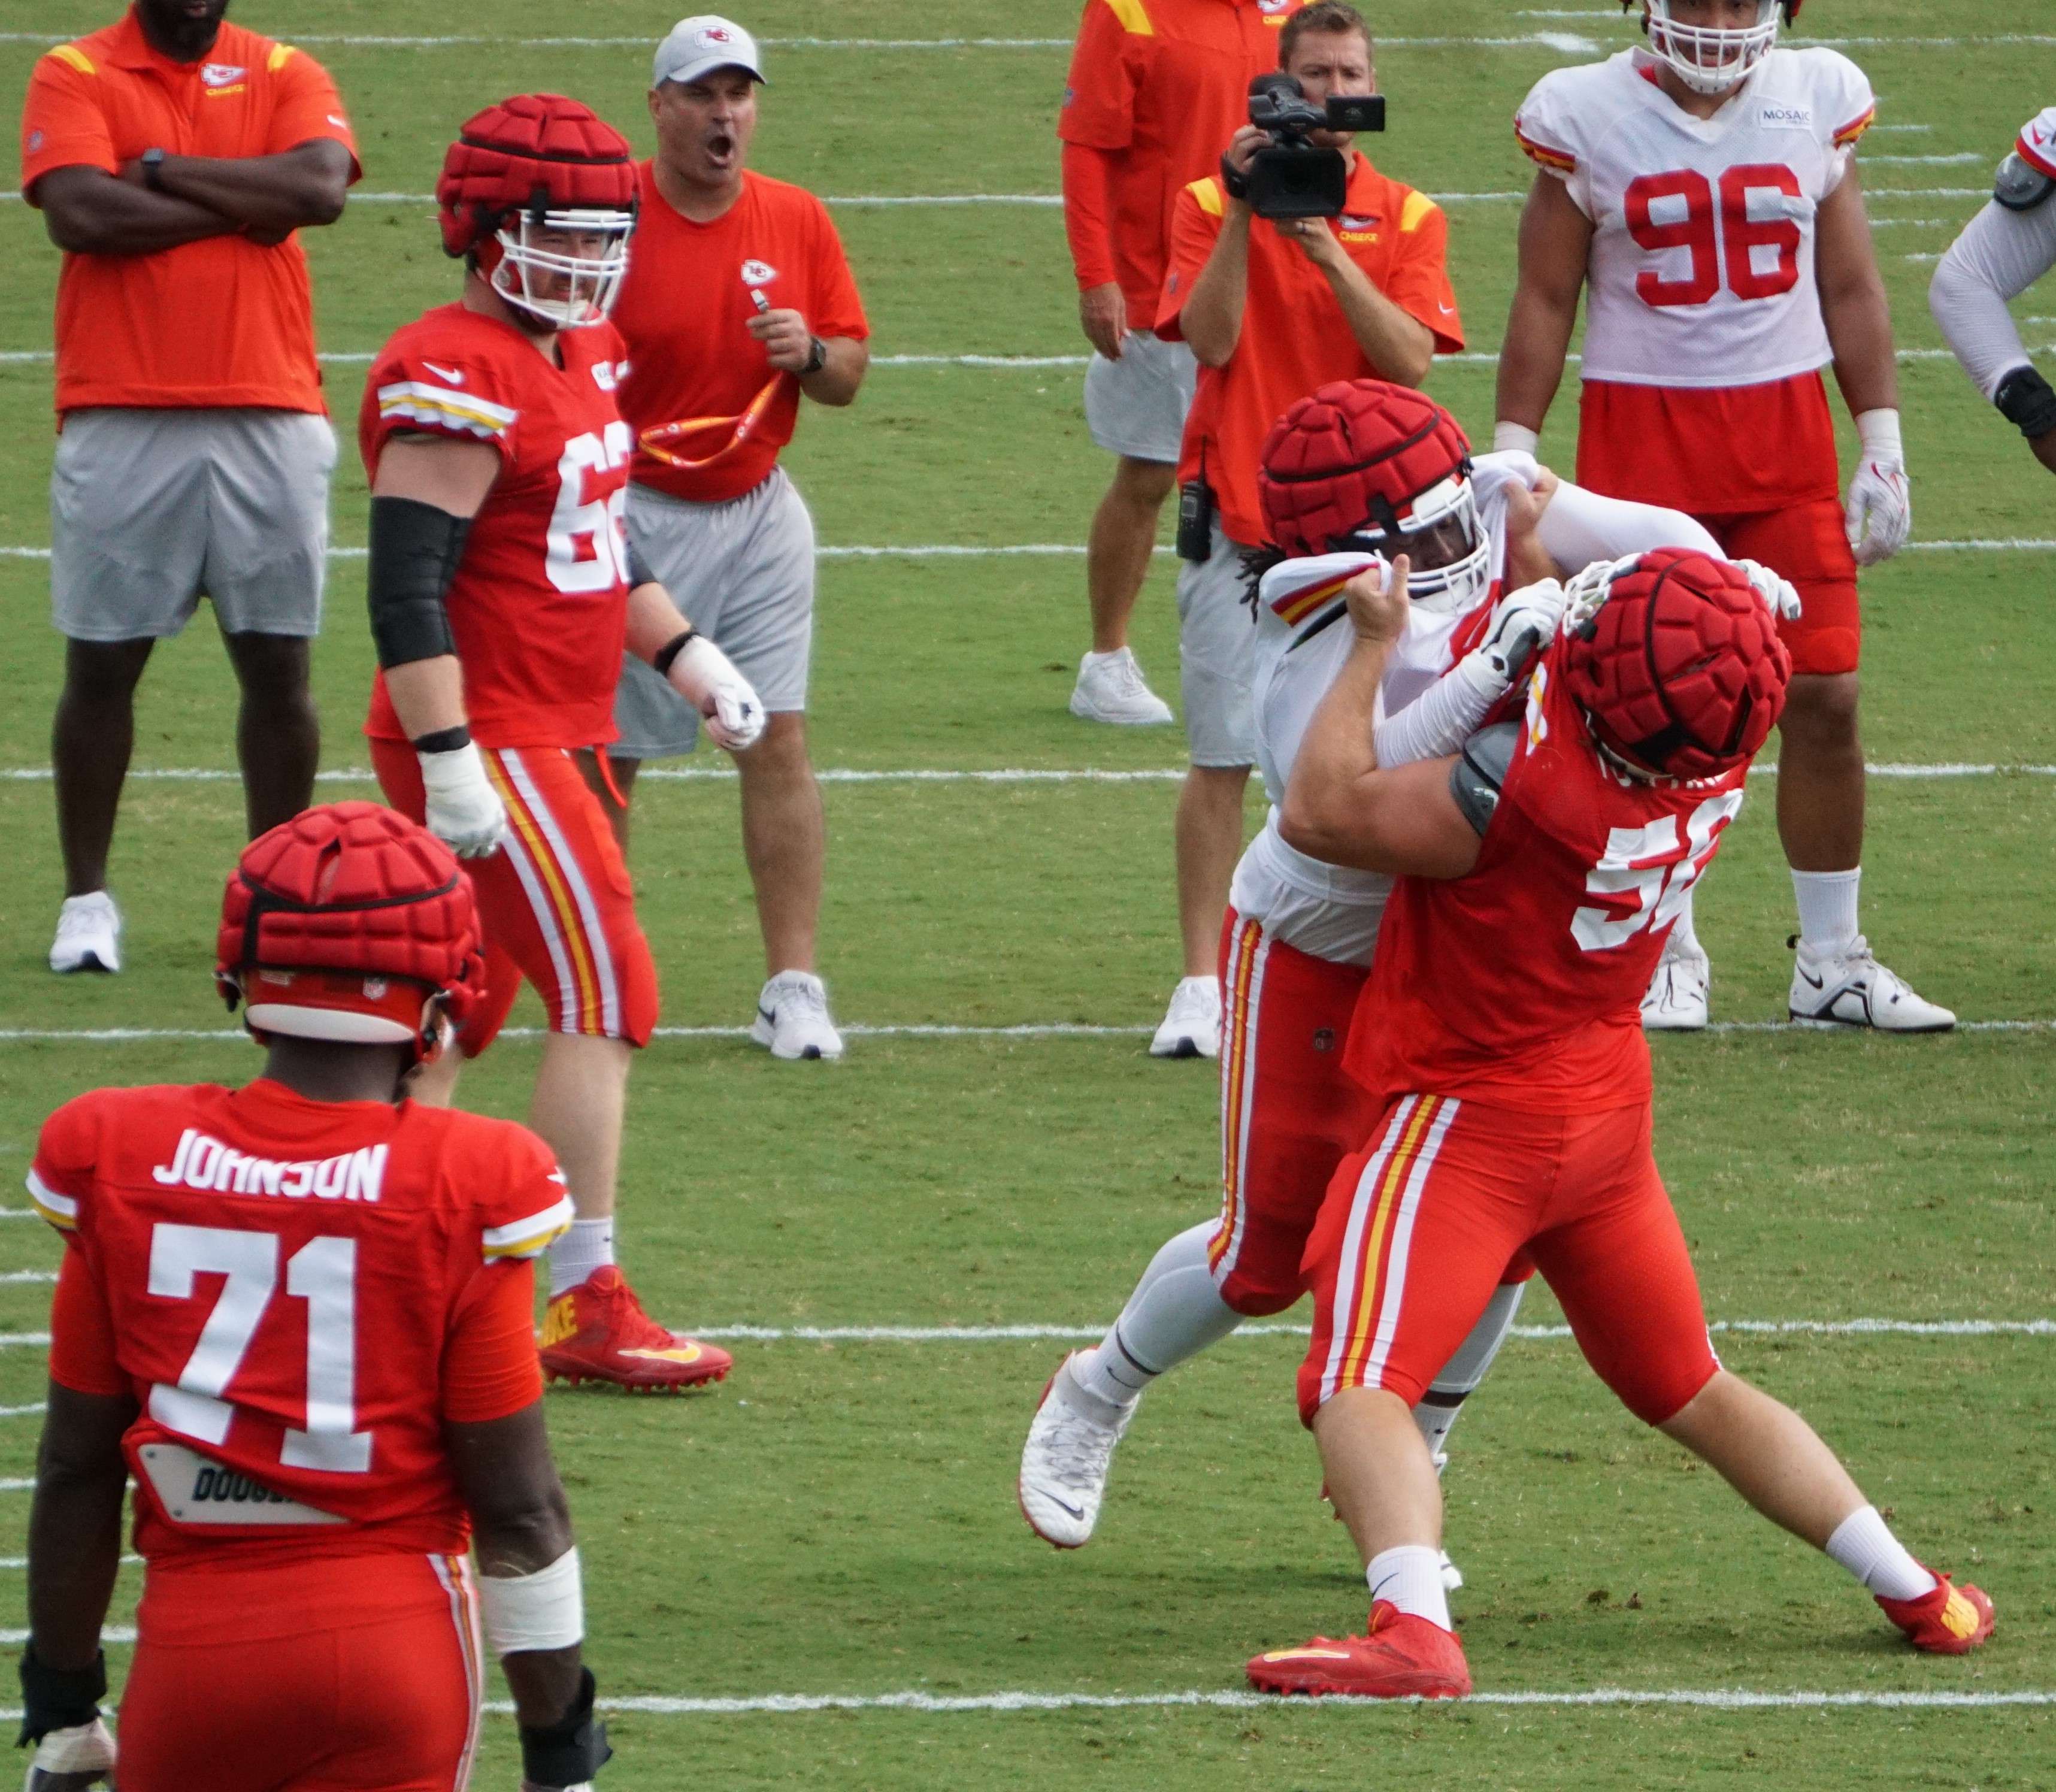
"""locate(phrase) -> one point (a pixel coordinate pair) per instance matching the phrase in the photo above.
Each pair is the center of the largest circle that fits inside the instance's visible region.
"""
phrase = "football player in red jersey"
(502, 590)
(1538, 873)
(298, 1313)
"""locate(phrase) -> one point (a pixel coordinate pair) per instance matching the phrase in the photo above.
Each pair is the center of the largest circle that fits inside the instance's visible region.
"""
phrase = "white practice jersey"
(1701, 270)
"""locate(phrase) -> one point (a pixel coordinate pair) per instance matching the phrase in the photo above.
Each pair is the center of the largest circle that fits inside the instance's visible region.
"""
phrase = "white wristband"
(1506, 435)
(1878, 430)
(545, 1610)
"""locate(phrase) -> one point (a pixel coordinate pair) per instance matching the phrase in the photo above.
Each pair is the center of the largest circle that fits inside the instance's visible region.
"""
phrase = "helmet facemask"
(1448, 554)
(534, 272)
(1711, 59)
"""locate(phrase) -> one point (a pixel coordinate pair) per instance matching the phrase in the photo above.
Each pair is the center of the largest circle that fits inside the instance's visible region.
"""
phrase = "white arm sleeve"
(1437, 721)
(1580, 527)
(2000, 255)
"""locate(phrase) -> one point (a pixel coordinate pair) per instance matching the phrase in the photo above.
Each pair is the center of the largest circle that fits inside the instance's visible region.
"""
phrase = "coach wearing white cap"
(737, 302)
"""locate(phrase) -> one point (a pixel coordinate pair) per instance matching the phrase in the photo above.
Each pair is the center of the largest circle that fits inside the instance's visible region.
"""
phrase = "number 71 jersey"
(538, 606)
(299, 1294)
(1702, 259)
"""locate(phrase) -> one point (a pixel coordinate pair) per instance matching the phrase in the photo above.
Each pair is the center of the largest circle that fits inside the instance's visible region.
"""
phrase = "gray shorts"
(1135, 406)
(151, 510)
(743, 572)
(1216, 657)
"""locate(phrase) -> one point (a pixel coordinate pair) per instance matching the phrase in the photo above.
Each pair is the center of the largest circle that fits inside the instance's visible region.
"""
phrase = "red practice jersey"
(298, 1294)
(540, 604)
(1521, 985)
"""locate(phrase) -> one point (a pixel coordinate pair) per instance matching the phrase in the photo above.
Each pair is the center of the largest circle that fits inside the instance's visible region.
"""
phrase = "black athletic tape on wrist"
(443, 739)
(415, 549)
(58, 1698)
(572, 1749)
(2025, 400)
(670, 651)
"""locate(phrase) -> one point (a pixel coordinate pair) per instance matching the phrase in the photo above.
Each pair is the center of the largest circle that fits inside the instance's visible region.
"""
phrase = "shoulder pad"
(1479, 773)
(2021, 186)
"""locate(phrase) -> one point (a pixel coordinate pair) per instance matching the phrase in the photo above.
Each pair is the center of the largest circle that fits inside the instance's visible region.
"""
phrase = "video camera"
(1290, 177)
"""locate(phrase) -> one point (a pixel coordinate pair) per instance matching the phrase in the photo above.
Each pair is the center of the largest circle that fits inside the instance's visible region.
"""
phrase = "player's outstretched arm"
(1555, 242)
(2001, 252)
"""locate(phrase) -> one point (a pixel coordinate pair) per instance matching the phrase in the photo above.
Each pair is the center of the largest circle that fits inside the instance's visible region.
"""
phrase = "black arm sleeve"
(1479, 773)
(638, 568)
(415, 550)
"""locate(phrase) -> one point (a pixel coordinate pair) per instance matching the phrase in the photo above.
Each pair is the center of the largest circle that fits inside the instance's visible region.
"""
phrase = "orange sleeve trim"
(1850, 131)
(1557, 162)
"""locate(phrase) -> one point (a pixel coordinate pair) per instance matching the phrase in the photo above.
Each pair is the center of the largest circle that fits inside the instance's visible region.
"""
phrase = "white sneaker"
(1675, 1001)
(1850, 988)
(1064, 1463)
(792, 1017)
(1110, 688)
(89, 934)
(1192, 1024)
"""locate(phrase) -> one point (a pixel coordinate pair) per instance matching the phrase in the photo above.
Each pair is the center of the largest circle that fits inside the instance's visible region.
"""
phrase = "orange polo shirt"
(1294, 339)
(1165, 83)
(221, 322)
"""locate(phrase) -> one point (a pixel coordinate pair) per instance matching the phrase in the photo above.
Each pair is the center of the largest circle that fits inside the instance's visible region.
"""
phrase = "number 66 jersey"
(298, 1294)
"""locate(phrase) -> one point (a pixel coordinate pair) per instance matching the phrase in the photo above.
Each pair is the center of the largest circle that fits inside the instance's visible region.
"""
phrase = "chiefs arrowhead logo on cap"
(710, 35)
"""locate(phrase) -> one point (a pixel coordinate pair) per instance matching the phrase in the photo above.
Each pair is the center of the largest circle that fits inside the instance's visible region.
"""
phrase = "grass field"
(837, 1521)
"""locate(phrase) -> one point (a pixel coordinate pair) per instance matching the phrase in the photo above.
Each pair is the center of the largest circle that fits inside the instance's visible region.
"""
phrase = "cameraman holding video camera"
(1299, 263)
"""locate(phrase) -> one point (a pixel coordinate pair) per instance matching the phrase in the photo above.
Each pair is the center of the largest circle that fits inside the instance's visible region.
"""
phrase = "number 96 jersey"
(538, 606)
(1701, 270)
(299, 1294)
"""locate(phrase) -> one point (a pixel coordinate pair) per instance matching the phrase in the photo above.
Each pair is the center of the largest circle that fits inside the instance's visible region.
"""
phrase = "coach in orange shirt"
(1155, 88)
(737, 302)
(1273, 311)
(173, 156)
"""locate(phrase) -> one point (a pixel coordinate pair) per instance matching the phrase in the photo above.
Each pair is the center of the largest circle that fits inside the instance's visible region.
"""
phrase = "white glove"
(1523, 623)
(1879, 512)
(1780, 597)
(464, 812)
(706, 678)
(71, 1760)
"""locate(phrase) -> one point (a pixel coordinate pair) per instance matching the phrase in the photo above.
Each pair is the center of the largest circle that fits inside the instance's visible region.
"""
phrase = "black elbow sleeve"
(2024, 401)
(415, 550)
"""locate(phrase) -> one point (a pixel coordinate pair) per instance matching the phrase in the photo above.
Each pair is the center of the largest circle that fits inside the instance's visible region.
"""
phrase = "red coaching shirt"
(1293, 338)
(1166, 83)
(1521, 985)
(539, 608)
(219, 322)
(298, 1294)
(685, 310)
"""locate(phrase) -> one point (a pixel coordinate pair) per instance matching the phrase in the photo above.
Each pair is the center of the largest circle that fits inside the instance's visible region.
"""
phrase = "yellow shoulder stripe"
(1209, 193)
(281, 55)
(1415, 212)
(1134, 16)
(76, 56)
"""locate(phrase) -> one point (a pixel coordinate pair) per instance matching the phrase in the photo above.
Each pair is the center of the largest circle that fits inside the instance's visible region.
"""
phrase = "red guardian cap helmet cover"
(1709, 58)
(1679, 670)
(351, 925)
(1363, 466)
(542, 193)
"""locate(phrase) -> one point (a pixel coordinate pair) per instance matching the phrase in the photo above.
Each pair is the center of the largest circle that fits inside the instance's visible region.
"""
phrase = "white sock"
(1863, 1543)
(1439, 1407)
(1175, 1312)
(589, 1245)
(1827, 909)
(1411, 1577)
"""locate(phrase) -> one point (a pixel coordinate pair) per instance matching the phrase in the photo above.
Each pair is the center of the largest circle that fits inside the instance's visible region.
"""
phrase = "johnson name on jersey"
(1702, 261)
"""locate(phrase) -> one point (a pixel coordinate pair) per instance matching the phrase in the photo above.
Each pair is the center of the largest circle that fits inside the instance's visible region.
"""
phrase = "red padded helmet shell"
(1681, 671)
(1354, 455)
(534, 152)
(357, 891)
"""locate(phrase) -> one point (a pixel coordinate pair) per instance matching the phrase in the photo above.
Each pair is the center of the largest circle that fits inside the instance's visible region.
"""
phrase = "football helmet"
(352, 924)
(1708, 58)
(1363, 466)
(1675, 660)
(540, 193)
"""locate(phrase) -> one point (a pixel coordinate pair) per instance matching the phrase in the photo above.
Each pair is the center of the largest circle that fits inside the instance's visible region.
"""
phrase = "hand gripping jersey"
(1521, 985)
(298, 1294)
(1702, 262)
(539, 608)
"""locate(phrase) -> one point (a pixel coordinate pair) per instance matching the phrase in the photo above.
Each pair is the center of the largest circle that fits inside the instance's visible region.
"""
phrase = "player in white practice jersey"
(1360, 471)
(1701, 193)
(2004, 251)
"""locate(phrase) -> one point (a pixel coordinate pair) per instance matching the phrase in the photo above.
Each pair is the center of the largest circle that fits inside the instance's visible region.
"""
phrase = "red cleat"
(1947, 1621)
(599, 1332)
(1403, 1657)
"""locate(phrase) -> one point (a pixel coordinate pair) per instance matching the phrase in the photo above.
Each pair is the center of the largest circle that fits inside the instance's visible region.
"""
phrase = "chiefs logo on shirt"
(1357, 226)
(1274, 11)
(758, 273)
(221, 78)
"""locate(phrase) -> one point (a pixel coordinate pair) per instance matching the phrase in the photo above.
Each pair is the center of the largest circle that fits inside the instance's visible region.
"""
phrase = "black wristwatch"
(817, 357)
(153, 162)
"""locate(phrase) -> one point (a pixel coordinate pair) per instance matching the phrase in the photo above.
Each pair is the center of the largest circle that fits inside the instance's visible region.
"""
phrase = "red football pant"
(1421, 1225)
(232, 1689)
(555, 901)
(1807, 545)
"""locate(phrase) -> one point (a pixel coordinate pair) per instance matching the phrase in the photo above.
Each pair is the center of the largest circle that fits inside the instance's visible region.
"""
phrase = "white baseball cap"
(698, 45)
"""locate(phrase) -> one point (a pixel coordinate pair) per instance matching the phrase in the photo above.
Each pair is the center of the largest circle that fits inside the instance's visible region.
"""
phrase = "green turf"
(838, 1518)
